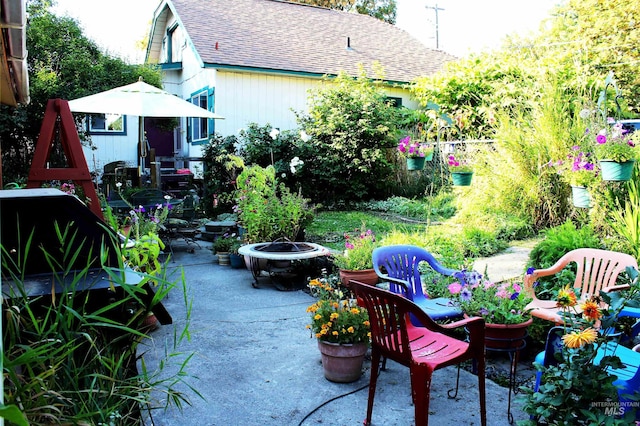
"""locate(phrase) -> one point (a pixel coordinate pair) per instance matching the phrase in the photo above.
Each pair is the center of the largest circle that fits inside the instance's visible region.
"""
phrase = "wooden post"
(58, 113)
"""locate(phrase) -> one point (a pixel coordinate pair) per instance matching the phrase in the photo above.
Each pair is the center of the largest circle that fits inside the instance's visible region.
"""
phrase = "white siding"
(111, 148)
(243, 98)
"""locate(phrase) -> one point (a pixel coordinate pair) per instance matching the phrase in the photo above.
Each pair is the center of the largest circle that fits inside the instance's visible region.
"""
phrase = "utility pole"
(436, 9)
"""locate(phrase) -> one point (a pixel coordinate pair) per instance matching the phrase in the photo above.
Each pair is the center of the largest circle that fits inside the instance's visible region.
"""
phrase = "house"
(255, 60)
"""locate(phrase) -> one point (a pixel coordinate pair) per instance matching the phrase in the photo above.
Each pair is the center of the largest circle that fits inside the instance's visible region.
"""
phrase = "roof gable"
(290, 37)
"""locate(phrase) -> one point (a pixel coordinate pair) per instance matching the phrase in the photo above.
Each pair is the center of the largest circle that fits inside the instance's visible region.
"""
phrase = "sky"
(464, 26)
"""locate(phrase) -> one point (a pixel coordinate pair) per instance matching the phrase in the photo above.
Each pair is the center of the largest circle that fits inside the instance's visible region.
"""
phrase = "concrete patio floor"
(255, 363)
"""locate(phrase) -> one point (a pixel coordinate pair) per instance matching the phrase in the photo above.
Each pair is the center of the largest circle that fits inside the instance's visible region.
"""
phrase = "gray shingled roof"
(285, 37)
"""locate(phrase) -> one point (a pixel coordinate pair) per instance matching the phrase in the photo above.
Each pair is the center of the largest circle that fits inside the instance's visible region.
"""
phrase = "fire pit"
(277, 260)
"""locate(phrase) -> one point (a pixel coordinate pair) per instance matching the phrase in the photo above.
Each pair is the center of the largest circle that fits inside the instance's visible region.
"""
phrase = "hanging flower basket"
(580, 197)
(616, 171)
(416, 163)
(461, 178)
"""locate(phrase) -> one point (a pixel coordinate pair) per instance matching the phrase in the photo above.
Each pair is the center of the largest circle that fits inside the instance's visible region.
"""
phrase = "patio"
(257, 365)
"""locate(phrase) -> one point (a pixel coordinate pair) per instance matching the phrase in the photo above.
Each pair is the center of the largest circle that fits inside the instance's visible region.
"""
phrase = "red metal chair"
(422, 349)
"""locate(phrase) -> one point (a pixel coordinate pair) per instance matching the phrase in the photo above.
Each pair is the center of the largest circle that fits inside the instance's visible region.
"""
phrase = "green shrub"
(560, 240)
(219, 180)
(352, 130)
(625, 220)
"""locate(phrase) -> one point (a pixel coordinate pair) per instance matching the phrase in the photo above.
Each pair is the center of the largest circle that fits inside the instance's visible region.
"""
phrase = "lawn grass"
(435, 228)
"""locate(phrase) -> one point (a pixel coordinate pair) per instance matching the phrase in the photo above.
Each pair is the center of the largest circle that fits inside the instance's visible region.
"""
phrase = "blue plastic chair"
(398, 265)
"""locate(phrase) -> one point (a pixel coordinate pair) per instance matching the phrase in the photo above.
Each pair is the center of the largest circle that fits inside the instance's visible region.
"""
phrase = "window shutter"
(211, 104)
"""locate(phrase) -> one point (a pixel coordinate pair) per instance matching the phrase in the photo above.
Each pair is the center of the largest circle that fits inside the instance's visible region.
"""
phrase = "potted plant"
(221, 247)
(355, 262)
(341, 328)
(616, 151)
(236, 260)
(416, 152)
(580, 172)
(460, 169)
(268, 210)
(502, 305)
(573, 383)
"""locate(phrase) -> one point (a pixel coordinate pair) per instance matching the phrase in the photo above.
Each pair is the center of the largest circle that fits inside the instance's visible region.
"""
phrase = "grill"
(29, 217)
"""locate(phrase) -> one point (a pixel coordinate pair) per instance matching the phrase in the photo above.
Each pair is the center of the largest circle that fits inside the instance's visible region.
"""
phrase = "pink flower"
(601, 139)
(455, 288)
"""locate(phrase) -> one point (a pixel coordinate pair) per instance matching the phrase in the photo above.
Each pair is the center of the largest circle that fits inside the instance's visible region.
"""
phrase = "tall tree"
(64, 64)
(385, 10)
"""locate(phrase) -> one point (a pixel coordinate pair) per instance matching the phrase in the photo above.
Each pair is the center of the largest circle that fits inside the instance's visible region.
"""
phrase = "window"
(395, 102)
(201, 128)
(107, 123)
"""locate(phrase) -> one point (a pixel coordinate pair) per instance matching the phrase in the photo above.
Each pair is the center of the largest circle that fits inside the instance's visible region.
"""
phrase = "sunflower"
(566, 297)
(579, 338)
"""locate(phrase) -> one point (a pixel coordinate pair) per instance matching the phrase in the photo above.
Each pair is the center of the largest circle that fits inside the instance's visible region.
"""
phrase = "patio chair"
(423, 349)
(182, 225)
(398, 264)
(596, 270)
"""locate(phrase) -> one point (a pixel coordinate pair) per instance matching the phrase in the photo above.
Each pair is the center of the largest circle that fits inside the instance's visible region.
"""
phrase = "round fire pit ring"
(275, 258)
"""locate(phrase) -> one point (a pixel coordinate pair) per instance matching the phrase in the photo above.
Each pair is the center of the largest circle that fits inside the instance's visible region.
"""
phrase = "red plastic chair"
(596, 270)
(422, 349)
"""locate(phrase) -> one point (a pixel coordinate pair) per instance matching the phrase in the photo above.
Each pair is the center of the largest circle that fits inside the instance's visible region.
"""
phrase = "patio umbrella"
(140, 99)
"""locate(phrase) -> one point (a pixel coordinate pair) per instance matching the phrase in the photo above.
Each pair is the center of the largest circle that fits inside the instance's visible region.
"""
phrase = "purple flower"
(484, 311)
(514, 296)
(601, 139)
(465, 294)
(530, 270)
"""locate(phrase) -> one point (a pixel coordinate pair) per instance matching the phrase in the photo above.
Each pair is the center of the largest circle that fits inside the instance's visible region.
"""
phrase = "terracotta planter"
(505, 336)
(366, 276)
(342, 363)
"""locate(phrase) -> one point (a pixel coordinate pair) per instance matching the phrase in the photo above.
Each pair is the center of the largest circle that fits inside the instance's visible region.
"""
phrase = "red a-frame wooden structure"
(59, 114)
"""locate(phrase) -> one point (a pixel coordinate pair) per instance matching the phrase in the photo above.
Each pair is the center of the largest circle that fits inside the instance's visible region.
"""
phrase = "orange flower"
(566, 297)
(317, 316)
(590, 310)
(351, 330)
(577, 339)
(334, 315)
